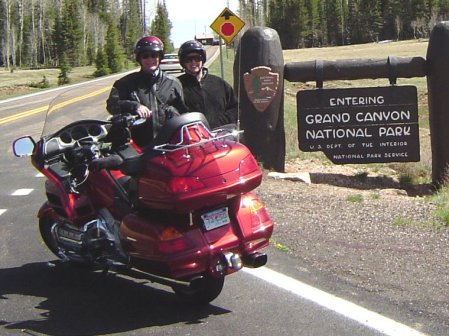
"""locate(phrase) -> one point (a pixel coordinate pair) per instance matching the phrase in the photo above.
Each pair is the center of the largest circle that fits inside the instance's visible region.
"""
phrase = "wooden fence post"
(259, 84)
(438, 97)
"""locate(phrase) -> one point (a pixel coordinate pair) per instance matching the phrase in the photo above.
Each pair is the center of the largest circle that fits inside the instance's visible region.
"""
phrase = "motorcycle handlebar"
(127, 120)
(109, 162)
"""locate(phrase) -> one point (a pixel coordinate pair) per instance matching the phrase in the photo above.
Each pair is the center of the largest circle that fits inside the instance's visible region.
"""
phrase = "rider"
(149, 93)
(204, 92)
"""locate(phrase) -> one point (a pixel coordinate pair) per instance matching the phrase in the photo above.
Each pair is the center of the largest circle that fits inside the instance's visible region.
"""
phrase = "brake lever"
(138, 121)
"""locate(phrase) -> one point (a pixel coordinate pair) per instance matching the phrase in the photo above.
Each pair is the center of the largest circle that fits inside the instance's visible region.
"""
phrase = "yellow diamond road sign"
(227, 25)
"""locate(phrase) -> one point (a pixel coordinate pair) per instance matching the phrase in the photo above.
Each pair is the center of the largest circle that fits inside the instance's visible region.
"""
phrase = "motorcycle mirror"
(23, 146)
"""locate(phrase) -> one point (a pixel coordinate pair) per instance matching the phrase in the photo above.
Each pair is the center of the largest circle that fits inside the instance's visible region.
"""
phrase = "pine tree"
(113, 50)
(101, 63)
(132, 24)
(388, 30)
(443, 9)
(372, 20)
(65, 68)
(311, 24)
(69, 34)
(161, 26)
(333, 12)
(288, 18)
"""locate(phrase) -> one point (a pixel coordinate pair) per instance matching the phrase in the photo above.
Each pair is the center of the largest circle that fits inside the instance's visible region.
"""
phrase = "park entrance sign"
(360, 125)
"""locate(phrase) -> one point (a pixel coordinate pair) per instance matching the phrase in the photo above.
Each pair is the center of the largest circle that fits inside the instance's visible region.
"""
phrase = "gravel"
(367, 233)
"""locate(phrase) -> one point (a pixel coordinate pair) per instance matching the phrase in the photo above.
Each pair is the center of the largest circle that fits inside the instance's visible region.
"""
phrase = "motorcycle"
(180, 212)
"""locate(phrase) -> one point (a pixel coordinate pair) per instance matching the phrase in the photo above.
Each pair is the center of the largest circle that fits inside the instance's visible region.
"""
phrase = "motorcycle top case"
(198, 176)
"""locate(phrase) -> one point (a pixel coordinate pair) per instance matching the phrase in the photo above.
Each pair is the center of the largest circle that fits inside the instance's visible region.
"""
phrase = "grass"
(280, 247)
(375, 196)
(228, 63)
(357, 198)
(361, 176)
(402, 221)
(441, 200)
(368, 50)
(20, 82)
(23, 81)
(405, 179)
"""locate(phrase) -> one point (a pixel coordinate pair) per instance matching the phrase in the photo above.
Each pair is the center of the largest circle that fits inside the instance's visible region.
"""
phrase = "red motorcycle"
(179, 212)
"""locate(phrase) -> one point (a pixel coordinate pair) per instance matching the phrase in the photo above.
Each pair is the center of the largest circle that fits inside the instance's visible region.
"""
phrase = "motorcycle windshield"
(86, 102)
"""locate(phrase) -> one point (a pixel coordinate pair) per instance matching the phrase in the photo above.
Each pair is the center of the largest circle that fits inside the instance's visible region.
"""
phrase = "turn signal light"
(171, 241)
(170, 233)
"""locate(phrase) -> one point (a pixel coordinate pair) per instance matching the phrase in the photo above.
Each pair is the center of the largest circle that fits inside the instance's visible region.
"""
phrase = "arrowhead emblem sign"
(261, 86)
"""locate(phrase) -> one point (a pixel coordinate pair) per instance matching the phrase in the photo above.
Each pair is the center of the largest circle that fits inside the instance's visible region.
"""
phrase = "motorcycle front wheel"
(45, 225)
(200, 291)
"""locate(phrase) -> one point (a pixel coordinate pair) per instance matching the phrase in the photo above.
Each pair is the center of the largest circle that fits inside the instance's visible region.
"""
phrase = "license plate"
(215, 219)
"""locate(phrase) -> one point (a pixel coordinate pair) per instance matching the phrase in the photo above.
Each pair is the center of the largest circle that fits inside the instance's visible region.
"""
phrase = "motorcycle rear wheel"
(201, 291)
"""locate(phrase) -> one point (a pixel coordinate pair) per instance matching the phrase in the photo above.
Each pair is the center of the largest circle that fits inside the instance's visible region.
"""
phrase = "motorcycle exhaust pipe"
(233, 260)
(228, 260)
(255, 260)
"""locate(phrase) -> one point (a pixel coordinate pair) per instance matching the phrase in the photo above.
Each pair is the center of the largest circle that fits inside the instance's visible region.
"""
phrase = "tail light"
(259, 214)
(258, 235)
(172, 241)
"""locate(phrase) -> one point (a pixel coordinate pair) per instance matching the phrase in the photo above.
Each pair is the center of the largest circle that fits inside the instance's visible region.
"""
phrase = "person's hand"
(143, 111)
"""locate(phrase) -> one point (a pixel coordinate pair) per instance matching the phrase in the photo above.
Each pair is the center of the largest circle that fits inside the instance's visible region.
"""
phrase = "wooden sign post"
(259, 83)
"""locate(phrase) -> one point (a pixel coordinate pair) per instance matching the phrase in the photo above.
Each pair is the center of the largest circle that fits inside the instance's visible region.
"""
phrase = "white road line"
(348, 309)
(22, 192)
(2, 211)
(40, 175)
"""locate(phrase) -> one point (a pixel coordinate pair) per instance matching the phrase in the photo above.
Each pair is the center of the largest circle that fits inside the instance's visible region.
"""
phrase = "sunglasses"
(149, 55)
(196, 58)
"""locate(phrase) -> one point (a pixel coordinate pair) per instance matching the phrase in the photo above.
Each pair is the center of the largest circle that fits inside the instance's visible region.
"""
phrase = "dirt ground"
(369, 234)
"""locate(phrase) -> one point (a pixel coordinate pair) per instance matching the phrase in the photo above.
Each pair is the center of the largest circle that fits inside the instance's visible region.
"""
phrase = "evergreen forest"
(70, 33)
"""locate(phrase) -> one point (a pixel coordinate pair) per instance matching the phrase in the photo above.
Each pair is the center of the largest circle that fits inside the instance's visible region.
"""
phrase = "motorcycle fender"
(195, 252)
(44, 210)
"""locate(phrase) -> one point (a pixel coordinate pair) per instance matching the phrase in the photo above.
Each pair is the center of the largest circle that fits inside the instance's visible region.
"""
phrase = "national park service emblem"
(261, 86)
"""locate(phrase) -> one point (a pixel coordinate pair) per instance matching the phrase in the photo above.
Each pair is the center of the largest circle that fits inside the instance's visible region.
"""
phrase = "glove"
(109, 162)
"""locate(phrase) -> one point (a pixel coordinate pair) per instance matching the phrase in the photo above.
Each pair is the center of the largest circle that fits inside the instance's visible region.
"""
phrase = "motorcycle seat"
(174, 124)
(133, 162)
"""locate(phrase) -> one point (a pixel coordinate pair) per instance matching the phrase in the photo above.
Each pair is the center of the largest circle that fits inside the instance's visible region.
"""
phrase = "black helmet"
(149, 43)
(190, 47)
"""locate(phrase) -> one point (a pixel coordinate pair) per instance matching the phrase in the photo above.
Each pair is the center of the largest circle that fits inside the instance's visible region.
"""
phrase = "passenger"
(204, 92)
(149, 93)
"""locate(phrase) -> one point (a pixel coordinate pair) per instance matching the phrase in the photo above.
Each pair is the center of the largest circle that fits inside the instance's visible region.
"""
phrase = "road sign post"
(227, 25)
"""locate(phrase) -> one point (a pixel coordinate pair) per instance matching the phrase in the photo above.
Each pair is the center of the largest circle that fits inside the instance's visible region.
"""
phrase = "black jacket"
(213, 96)
(162, 93)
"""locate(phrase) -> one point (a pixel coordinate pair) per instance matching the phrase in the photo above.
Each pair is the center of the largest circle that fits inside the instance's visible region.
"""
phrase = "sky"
(193, 17)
